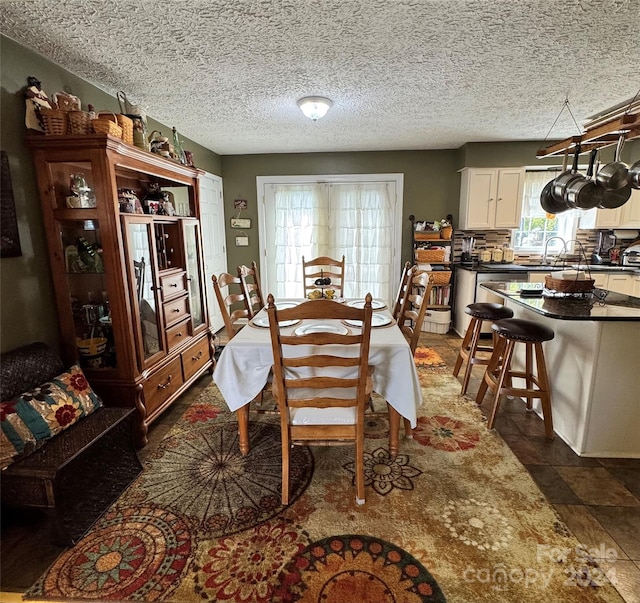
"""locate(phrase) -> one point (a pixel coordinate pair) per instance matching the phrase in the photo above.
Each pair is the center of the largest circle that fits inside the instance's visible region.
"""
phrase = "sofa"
(63, 450)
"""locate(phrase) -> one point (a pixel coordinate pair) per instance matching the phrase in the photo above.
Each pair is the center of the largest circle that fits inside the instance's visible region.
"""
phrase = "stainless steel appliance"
(631, 255)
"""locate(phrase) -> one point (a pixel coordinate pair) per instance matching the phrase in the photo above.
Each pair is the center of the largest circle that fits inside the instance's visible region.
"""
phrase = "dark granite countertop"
(615, 306)
(516, 268)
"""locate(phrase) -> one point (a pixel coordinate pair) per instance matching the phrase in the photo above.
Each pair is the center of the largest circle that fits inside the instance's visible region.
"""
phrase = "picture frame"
(242, 241)
(240, 223)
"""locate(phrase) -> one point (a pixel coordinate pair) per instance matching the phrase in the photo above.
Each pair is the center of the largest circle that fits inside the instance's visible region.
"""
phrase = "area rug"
(455, 517)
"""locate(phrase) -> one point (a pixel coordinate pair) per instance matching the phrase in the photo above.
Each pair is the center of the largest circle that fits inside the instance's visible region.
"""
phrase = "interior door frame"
(397, 179)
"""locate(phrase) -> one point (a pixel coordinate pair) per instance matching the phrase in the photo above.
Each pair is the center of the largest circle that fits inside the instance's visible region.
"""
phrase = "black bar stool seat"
(480, 312)
(499, 375)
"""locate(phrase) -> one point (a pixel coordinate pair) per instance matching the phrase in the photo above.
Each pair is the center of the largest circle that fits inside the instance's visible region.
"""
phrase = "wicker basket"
(426, 235)
(441, 277)
(126, 123)
(568, 285)
(430, 255)
(107, 123)
(446, 232)
(55, 121)
(79, 122)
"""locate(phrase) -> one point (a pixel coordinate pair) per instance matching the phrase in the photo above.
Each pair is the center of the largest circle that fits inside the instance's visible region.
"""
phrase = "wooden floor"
(598, 499)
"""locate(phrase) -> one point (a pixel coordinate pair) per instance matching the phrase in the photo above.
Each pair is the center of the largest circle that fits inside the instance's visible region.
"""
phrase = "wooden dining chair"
(414, 307)
(323, 267)
(250, 282)
(412, 313)
(321, 381)
(234, 319)
(402, 290)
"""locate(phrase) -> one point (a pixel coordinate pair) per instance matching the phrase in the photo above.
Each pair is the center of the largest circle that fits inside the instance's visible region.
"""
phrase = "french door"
(358, 216)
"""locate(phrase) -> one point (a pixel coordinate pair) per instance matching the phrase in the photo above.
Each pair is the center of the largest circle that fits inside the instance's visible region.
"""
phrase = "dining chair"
(402, 290)
(234, 319)
(321, 380)
(250, 282)
(323, 267)
(414, 307)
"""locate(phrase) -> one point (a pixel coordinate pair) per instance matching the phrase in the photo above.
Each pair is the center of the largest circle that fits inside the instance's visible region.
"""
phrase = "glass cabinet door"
(140, 253)
(87, 287)
(194, 276)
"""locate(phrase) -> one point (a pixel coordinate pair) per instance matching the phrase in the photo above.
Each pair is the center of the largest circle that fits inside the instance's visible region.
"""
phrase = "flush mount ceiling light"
(314, 107)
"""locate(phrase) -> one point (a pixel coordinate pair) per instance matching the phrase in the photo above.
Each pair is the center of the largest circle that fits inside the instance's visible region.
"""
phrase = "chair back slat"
(402, 290)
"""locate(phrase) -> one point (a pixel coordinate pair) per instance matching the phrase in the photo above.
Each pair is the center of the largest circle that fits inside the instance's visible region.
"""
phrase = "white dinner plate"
(321, 328)
(359, 303)
(263, 321)
(377, 320)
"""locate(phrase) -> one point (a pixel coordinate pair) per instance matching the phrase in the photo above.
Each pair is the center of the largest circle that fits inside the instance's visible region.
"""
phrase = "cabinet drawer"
(173, 285)
(162, 385)
(175, 311)
(195, 358)
(177, 334)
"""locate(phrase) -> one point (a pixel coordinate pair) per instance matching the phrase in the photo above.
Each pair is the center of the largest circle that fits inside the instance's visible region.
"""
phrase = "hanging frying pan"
(614, 175)
(563, 180)
(584, 192)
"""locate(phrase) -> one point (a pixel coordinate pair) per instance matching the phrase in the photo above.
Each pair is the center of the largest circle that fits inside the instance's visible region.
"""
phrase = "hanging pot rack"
(600, 132)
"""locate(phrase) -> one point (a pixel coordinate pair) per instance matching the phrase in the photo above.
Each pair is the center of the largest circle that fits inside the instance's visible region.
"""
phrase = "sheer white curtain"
(354, 219)
(362, 225)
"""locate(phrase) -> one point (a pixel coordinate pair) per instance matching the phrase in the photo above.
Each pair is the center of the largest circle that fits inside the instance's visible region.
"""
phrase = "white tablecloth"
(243, 368)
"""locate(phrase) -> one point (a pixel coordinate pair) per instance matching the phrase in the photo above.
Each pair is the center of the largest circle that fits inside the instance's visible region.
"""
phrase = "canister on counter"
(496, 254)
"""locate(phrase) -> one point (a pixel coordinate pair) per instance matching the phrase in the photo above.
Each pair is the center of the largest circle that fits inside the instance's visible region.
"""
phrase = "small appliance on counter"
(631, 255)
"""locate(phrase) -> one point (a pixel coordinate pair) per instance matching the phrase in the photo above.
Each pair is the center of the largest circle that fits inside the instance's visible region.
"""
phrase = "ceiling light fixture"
(314, 107)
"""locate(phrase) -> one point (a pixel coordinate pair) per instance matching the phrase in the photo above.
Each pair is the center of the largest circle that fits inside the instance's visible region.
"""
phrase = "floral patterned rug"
(454, 517)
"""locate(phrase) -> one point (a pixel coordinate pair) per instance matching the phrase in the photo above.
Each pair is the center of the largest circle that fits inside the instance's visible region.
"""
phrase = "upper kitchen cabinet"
(491, 198)
(130, 286)
(627, 216)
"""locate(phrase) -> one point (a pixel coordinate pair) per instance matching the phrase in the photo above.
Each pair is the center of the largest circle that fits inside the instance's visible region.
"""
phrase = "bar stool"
(499, 374)
(479, 313)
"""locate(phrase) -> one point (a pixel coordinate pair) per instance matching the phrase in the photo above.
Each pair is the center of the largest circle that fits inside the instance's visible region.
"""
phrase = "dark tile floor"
(598, 499)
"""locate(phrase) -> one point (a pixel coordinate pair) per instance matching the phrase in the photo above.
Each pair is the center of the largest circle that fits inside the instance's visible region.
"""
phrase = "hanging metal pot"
(548, 202)
(614, 175)
(584, 192)
(634, 175)
(615, 198)
(564, 179)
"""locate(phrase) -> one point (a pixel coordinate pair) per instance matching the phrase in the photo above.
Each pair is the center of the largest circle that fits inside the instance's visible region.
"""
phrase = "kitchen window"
(536, 226)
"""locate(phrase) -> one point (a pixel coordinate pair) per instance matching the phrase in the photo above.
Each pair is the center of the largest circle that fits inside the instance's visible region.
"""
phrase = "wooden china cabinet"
(129, 287)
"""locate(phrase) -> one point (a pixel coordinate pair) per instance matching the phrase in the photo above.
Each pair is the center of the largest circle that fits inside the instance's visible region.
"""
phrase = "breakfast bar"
(592, 362)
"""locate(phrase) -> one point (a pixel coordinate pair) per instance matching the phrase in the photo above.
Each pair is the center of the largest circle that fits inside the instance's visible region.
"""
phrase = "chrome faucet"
(546, 247)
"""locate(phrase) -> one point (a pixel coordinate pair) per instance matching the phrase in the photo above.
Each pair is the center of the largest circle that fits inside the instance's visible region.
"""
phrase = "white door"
(213, 240)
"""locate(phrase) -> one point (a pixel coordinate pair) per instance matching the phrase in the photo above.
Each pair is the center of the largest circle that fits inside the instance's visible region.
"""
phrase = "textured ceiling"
(402, 74)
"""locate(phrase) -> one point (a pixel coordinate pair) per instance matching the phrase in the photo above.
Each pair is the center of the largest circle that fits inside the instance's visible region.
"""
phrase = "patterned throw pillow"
(30, 419)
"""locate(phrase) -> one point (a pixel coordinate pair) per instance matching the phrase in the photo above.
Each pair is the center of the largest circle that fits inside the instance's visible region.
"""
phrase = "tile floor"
(598, 499)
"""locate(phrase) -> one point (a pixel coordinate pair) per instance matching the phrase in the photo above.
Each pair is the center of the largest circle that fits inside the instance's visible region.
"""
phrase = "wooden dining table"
(243, 368)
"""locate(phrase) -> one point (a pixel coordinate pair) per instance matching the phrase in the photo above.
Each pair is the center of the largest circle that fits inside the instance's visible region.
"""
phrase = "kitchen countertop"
(616, 307)
(515, 268)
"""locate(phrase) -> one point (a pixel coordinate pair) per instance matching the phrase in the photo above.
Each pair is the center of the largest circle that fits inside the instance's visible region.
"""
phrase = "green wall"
(27, 303)
(430, 185)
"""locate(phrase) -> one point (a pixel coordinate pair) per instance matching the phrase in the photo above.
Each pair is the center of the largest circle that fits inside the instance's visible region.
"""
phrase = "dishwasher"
(468, 291)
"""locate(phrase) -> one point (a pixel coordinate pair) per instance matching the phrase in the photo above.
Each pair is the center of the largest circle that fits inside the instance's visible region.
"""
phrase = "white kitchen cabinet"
(491, 198)
(601, 280)
(627, 216)
(635, 286)
(620, 283)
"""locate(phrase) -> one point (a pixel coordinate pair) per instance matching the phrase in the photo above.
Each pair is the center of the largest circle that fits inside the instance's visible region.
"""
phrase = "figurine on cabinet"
(35, 99)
